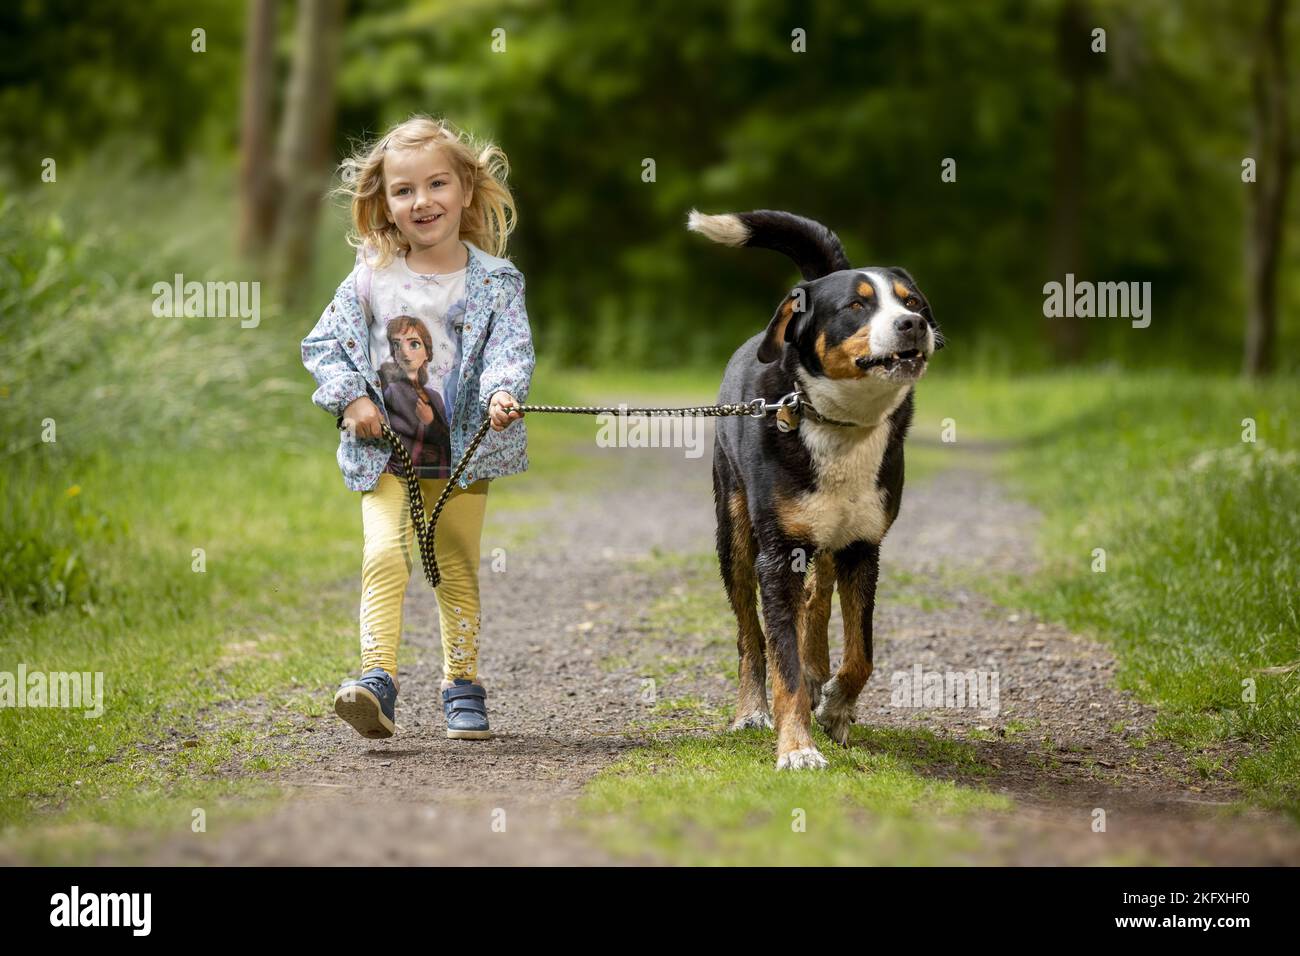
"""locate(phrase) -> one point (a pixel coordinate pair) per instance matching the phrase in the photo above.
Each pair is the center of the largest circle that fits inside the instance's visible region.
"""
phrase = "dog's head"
(872, 324)
(862, 336)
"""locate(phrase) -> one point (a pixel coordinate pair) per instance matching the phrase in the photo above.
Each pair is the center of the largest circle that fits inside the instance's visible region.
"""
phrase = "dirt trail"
(573, 597)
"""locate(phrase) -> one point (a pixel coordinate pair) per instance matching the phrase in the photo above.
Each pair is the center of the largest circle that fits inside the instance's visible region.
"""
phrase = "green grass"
(717, 801)
(1200, 533)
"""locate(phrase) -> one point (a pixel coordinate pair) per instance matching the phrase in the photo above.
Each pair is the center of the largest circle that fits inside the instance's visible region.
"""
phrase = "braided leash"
(425, 527)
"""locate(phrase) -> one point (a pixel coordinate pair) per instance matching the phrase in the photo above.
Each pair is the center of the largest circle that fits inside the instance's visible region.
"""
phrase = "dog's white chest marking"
(847, 505)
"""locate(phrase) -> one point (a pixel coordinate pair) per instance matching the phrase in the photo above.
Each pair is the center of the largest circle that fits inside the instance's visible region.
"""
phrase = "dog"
(804, 497)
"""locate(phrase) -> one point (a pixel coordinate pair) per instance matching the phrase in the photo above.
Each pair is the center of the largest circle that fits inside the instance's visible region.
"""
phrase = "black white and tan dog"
(805, 496)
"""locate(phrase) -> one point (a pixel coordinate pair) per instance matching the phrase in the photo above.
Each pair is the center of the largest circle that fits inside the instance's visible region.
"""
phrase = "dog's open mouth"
(907, 360)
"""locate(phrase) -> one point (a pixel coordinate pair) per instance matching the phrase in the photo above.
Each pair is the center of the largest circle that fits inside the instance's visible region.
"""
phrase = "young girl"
(429, 333)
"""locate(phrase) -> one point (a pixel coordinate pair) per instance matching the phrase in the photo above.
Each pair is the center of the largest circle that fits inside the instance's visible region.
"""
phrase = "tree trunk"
(1268, 195)
(1073, 40)
(303, 167)
(256, 174)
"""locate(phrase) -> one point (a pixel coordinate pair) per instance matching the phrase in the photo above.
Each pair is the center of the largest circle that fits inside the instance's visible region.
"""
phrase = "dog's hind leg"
(736, 552)
(814, 654)
(856, 568)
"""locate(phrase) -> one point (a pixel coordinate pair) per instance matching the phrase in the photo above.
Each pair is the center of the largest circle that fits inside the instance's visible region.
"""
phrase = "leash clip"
(759, 407)
(790, 404)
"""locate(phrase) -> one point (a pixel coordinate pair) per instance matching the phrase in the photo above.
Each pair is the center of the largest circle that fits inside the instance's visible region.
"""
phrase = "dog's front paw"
(760, 719)
(806, 758)
(835, 713)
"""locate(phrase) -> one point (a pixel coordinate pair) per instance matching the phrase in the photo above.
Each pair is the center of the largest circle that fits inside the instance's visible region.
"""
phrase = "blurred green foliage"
(74, 74)
(852, 132)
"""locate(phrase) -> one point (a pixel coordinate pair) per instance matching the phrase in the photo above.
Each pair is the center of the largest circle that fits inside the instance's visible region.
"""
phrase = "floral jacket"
(496, 355)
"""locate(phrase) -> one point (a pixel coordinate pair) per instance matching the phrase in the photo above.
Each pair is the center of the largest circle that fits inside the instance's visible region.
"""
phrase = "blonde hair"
(480, 166)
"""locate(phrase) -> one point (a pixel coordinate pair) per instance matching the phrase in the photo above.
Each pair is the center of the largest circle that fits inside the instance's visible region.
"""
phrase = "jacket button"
(486, 281)
(468, 326)
(351, 344)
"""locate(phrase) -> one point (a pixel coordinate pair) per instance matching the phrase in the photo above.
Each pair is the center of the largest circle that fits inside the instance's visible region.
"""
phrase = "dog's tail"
(813, 248)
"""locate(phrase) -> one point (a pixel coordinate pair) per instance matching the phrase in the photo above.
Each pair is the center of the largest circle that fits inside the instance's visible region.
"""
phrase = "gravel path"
(574, 597)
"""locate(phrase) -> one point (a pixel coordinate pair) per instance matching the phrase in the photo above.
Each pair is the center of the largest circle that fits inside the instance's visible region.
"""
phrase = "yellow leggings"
(390, 553)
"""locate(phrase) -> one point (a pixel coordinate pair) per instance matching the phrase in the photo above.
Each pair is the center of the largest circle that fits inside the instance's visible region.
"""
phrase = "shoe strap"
(458, 691)
(472, 705)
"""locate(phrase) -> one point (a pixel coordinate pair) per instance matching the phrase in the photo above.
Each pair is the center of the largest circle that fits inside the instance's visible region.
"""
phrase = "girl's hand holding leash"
(362, 418)
(502, 410)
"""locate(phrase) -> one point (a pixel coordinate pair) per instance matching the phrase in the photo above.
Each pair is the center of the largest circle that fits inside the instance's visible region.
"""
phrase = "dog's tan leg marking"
(795, 749)
(840, 695)
(814, 652)
(751, 701)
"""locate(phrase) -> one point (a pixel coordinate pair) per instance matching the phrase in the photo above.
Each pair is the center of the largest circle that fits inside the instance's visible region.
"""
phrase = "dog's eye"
(855, 305)
(912, 302)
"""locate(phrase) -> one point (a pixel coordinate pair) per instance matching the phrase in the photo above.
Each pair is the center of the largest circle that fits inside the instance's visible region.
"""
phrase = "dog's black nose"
(908, 323)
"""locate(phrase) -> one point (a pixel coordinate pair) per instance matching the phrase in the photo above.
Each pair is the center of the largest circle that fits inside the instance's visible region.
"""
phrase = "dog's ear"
(790, 314)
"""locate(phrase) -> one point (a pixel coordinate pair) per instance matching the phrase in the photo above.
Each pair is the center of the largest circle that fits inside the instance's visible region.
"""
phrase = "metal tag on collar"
(787, 412)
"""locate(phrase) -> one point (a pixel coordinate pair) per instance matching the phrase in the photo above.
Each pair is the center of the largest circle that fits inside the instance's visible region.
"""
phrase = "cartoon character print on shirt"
(417, 409)
(444, 360)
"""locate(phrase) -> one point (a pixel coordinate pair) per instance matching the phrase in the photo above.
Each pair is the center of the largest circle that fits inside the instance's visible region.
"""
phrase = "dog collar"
(794, 406)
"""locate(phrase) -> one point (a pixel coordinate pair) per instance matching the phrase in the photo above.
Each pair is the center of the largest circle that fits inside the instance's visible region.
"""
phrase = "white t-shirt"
(415, 345)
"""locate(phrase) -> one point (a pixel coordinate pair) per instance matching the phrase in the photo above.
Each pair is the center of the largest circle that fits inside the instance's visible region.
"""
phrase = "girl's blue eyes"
(406, 189)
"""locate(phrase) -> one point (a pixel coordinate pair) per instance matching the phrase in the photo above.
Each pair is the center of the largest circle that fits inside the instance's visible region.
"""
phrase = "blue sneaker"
(368, 704)
(465, 704)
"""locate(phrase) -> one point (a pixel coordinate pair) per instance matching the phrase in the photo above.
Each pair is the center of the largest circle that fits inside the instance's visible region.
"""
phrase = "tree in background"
(306, 138)
(1274, 154)
(256, 173)
(1077, 62)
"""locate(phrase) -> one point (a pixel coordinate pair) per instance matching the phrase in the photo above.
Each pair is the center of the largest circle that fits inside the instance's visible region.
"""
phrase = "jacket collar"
(483, 296)
(486, 264)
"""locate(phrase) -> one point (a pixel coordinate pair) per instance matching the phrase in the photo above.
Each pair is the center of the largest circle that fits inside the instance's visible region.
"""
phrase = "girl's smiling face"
(424, 196)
